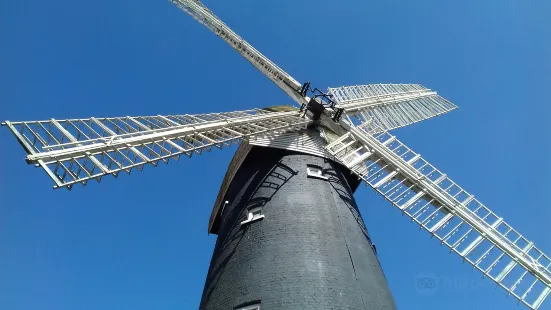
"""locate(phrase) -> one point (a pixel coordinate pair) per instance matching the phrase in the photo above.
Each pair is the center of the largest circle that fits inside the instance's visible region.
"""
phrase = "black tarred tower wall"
(310, 251)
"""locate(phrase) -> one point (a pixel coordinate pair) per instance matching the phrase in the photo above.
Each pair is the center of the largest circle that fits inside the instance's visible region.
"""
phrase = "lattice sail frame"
(444, 209)
(76, 150)
(273, 72)
(390, 106)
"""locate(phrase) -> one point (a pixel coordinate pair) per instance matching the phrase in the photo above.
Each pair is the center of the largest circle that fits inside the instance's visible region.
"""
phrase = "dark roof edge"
(236, 162)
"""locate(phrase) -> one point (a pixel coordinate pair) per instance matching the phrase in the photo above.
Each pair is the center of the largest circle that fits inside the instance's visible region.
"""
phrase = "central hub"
(319, 102)
(315, 108)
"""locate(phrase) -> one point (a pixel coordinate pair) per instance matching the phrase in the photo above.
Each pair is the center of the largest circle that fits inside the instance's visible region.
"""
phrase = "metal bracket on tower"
(319, 102)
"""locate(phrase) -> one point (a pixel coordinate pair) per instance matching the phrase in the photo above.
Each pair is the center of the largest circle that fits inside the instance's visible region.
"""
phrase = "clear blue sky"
(140, 241)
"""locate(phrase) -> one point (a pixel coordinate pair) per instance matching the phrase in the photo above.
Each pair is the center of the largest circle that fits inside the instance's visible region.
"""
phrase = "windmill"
(335, 139)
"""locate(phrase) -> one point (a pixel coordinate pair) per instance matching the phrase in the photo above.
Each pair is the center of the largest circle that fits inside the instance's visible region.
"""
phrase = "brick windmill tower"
(290, 235)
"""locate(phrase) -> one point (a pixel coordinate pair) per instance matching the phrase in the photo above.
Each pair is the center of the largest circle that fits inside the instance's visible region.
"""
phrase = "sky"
(141, 242)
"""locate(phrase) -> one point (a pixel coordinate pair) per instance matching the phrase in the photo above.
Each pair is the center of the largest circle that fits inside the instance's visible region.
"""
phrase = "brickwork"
(311, 251)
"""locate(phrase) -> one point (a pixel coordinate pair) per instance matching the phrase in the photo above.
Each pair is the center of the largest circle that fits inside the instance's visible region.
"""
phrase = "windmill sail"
(448, 212)
(390, 106)
(76, 150)
(277, 75)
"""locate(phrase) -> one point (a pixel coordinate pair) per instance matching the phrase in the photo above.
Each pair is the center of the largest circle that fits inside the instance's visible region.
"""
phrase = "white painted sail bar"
(448, 212)
(390, 106)
(277, 75)
(77, 150)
